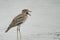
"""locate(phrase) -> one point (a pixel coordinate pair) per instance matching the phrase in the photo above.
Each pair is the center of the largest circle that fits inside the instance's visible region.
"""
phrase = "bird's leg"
(19, 31)
(17, 34)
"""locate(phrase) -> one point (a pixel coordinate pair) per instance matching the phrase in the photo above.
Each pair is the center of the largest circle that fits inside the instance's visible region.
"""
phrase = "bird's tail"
(7, 29)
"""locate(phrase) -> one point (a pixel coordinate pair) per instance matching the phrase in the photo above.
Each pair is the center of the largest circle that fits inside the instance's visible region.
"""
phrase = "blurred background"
(43, 24)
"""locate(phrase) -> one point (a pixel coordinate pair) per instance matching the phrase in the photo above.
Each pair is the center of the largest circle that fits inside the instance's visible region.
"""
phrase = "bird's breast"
(25, 18)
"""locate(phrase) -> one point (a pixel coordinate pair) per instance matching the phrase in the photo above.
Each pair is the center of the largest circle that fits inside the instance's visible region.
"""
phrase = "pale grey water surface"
(43, 24)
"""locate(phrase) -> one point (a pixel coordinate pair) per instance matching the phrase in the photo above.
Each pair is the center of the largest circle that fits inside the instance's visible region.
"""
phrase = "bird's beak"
(30, 11)
(29, 14)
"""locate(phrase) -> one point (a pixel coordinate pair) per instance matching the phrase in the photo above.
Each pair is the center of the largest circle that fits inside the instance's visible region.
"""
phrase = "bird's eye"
(27, 13)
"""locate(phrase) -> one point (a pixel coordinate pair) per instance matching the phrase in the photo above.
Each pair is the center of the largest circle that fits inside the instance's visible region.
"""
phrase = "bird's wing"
(17, 20)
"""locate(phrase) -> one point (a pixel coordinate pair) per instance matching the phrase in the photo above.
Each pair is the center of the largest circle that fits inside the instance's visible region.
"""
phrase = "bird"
(18, 20)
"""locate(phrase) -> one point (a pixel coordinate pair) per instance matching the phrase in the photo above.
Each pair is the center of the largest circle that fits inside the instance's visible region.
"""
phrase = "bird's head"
(26, 11)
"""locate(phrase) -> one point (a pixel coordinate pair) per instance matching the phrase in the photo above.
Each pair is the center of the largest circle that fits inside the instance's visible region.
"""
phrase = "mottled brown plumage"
(18, 20)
